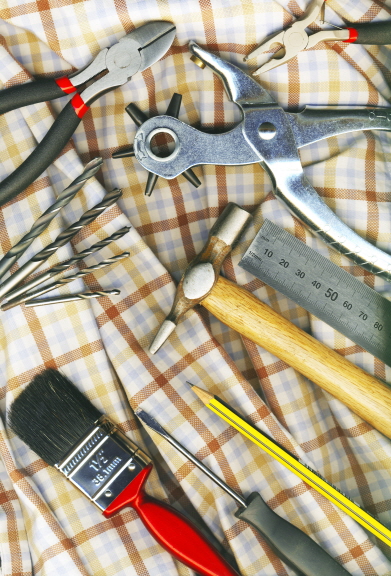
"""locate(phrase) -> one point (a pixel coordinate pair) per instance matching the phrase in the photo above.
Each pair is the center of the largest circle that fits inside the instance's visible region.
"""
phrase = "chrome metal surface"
(193, 147)
(72, 298)
(103, 463)
(314, 123)
(108, 200)
(278, 156)
(133, 53)
(44, 220)
(63, 266)
(295, 38)
(97, 66)
(155, 426)
(322, 288)
(240, 87)
(49, 287)
(231, 148)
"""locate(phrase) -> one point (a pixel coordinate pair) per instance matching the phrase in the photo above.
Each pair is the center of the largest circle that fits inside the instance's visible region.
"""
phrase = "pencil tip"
(189, 383)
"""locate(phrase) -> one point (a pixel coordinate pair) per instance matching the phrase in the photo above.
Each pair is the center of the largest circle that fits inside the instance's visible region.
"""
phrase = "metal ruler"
(322, 288)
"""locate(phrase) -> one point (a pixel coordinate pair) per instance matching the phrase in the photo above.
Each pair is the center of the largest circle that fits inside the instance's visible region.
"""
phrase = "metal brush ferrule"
(103, 463)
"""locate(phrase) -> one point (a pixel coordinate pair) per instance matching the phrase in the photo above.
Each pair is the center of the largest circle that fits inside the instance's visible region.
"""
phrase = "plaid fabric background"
(46, 526)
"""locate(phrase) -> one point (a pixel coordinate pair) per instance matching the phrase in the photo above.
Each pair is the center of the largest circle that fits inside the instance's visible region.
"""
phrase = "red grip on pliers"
(65, 84)
(171, 529)
(79, 106)
(353, 35)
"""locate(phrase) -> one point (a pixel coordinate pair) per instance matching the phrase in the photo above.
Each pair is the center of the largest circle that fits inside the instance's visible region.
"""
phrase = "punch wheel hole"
(160, 150)
(162, 144)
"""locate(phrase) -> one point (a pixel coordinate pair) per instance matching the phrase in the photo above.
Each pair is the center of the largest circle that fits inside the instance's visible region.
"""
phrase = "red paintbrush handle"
(171, 529)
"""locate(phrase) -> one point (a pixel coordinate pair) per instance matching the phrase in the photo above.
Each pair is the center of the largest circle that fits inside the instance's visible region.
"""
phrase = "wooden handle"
(362, 393)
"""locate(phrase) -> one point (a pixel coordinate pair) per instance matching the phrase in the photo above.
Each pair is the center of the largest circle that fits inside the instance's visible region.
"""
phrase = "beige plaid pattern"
(46, 526)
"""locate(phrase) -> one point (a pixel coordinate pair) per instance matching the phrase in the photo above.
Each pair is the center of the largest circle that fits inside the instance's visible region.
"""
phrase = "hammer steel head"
(202, 273)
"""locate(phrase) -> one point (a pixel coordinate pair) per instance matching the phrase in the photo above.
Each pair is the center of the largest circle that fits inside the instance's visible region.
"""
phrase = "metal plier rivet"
(271, 137)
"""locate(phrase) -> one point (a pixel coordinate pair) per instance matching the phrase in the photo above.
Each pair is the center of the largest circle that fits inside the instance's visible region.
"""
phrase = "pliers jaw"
(133, 53)
(295, 39)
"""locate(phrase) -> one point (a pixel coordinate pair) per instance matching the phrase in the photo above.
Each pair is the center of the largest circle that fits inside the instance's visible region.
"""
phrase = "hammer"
(239, 309)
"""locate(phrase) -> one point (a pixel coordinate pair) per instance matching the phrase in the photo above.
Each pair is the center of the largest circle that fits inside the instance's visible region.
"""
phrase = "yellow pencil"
(293, 464)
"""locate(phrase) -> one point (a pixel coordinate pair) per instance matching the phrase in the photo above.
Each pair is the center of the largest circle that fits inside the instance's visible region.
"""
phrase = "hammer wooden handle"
(362, 393)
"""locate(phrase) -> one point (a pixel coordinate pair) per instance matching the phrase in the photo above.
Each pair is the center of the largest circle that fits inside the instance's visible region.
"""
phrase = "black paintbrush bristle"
(51, 415)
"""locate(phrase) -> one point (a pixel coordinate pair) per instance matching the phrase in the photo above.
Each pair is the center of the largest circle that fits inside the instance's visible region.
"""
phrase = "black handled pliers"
(133, 53)
(295, 38)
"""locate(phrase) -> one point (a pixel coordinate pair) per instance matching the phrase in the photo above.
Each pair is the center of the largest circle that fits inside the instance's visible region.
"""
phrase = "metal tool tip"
(151, 182)
(164, 332)
(98, 161)
(148, 420)
(124, 153)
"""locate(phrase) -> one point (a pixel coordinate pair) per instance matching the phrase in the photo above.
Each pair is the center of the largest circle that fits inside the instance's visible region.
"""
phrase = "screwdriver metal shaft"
(63, 266)
(64, 237)
(44, 220)
(72, 298)
(292, 545)
(155, 426)
(49, 287)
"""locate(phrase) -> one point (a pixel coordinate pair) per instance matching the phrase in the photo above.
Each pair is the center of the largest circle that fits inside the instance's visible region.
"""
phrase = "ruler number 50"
(330, 293)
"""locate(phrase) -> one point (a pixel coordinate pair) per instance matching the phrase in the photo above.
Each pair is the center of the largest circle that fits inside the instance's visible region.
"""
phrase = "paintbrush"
(62, 426)
(291, 544)
(287, 459)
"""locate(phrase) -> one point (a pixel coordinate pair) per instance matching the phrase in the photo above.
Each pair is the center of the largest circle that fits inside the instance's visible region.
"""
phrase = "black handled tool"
(291, 544)
(133, 53)
(295, 38)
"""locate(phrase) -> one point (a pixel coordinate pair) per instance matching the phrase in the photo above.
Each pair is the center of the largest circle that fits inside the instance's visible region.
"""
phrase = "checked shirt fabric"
(46, 526)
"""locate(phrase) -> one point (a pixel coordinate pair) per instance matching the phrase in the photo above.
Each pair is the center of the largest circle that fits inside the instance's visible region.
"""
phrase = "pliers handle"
(133, 53)
(50, 88)
(295, 38)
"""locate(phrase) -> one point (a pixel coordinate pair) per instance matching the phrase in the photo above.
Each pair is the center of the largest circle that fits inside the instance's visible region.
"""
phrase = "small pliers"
(270, 136)
(133, 53)
(295, 38)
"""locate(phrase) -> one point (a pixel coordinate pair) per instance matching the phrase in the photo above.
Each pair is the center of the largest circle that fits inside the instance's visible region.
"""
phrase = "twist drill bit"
(64, 237)
(63, 266)
(72, 298)
(44, 220)
(63, 281)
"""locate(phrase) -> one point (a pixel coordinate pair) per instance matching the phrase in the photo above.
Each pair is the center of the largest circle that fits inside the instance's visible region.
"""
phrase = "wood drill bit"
(44, 220)
(73, 298)
(63, 266)
(49, 287)
(64, 237)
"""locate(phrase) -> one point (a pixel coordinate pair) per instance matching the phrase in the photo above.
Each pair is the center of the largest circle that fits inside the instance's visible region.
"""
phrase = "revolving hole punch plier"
(270, 136)
(295, 38)
(133, 53)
